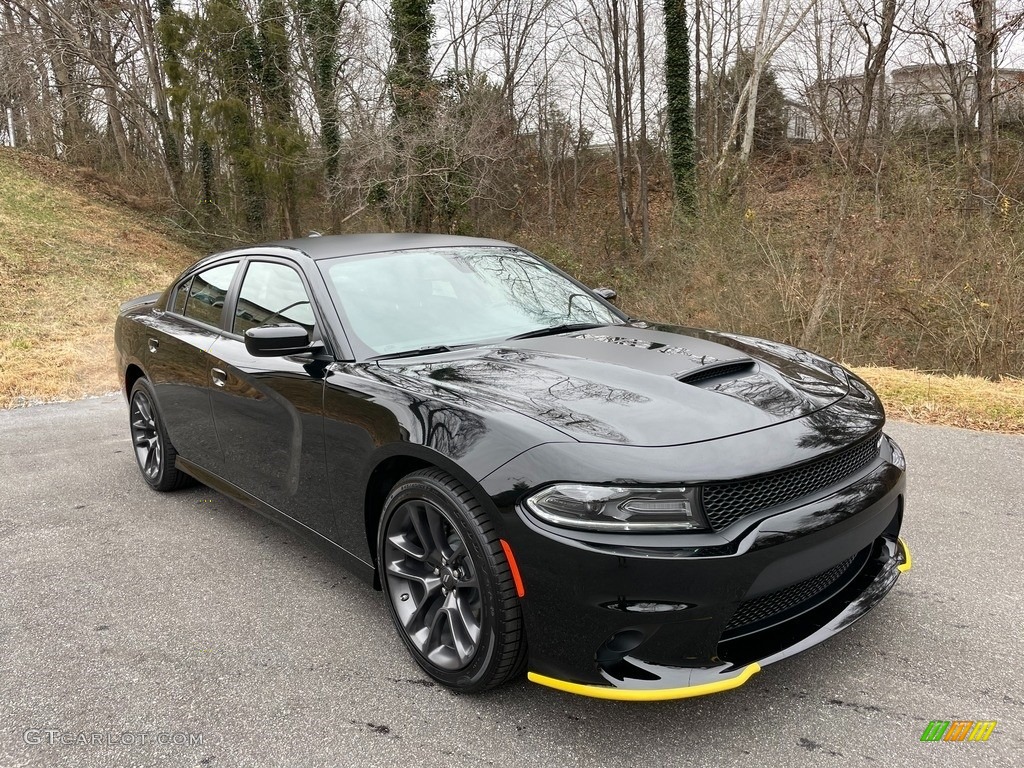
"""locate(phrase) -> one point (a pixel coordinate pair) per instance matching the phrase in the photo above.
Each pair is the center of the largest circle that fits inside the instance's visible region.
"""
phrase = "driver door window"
(272, 294)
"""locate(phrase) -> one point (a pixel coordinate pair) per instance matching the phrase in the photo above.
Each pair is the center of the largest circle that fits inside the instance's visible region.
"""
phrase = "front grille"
(725, 503)
(780, 601)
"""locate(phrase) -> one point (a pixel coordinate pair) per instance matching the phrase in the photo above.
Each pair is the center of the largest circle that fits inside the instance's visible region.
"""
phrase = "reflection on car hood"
(639, 384)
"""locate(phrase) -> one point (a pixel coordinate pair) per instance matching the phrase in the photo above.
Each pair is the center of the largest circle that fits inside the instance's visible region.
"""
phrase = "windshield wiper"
(553, 329)
(431, 350)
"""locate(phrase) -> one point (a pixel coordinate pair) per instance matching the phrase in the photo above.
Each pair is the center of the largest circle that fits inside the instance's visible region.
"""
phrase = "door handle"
(220, 378)
(154, 344)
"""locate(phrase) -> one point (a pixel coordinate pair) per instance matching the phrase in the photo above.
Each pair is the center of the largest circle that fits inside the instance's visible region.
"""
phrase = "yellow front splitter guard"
(656, 694)
(908, 561)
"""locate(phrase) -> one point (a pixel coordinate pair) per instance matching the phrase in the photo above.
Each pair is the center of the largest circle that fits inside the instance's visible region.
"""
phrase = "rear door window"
(207, 292)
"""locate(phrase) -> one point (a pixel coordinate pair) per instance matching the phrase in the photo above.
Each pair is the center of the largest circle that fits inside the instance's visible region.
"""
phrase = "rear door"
(179, 363)
(269, 410)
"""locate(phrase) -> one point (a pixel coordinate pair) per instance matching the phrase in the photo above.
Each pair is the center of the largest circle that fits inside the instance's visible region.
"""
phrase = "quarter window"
(206, 293)
(180, 294)
(272, 294)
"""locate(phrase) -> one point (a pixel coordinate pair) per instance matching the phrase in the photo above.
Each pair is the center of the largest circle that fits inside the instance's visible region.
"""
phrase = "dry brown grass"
(959, 401)
(68, 256)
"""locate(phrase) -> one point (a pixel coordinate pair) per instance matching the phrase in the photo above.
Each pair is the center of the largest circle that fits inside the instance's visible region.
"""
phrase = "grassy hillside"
(69, 254)
(71, 251)
(970, 402)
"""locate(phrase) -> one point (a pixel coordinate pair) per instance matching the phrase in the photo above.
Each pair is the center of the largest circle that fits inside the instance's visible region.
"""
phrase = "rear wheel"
(153, 450)
(449, 587)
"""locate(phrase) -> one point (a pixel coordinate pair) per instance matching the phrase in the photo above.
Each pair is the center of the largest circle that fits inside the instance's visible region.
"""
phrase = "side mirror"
(278, 340)
(608, 294)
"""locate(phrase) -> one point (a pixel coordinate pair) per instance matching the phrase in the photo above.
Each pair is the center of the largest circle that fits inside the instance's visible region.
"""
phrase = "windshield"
(409, 300)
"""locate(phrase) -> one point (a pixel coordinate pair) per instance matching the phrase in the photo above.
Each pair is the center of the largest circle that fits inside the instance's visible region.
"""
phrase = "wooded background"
(841, 174)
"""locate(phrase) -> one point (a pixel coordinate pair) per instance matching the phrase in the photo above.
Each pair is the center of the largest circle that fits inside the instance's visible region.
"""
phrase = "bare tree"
(464, 23)
(865, 19)
(720, 30)
(985, 40)
(514, 26)
(603, 47)
(947, 48)
(775, 24)
(988, 28)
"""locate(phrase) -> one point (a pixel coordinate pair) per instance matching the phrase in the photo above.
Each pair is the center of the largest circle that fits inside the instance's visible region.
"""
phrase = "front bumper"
(648, 623)
(701, 682)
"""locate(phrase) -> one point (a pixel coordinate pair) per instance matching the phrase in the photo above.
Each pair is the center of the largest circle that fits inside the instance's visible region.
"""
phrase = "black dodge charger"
(535, 480)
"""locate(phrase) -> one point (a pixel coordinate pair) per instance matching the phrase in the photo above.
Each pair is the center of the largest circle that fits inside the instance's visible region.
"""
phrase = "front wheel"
(153, 450)
(450, 590)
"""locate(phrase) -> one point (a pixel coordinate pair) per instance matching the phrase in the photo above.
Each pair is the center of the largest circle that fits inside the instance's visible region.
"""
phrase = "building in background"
(930, 96)
(800, 125)
(919, 97)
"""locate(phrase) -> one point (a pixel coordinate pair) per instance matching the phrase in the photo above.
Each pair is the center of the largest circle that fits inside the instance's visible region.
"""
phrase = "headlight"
(601, 508)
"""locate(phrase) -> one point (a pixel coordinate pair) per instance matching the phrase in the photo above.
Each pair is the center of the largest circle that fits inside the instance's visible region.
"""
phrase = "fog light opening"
(612, 656)
(616, 647)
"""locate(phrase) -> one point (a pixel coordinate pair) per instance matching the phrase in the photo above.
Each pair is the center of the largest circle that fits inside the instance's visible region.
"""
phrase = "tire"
(153, 450)
(449, 588)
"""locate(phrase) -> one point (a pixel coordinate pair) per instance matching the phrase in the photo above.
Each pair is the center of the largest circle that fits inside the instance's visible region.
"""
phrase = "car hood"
(640, 384)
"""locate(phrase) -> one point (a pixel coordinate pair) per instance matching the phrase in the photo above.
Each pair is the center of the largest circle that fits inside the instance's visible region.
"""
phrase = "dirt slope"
(70, 253)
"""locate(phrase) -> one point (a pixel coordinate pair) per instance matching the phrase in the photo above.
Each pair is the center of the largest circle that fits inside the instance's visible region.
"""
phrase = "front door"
(269, 410)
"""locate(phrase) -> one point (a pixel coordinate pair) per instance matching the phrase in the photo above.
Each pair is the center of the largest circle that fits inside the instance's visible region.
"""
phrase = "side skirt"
(358, 567)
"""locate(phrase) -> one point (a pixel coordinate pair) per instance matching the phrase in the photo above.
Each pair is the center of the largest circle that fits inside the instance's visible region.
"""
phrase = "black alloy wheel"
(449, 586)
(153, 451)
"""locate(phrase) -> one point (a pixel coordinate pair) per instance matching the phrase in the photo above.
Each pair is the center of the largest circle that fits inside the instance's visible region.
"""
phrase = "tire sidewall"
(157, 482)
(475, 676)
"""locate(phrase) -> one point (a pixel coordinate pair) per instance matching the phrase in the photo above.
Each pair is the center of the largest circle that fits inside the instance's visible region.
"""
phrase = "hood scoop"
(728, 369)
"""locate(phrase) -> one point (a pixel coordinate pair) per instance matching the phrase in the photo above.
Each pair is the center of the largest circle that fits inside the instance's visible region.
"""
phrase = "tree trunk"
(984, 54)
(757, 69)
(321, 26)
(820, 304)
(104, 51)
(71, 125)
(619, 124)
(642, 154)
(678, 110)
(874, 68)
(167, 130)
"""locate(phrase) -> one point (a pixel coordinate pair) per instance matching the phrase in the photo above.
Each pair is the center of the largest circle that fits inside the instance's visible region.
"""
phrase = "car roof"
(332, 246)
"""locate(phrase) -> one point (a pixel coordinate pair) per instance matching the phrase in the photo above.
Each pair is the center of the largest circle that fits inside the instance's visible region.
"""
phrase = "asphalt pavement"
(146, 629)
